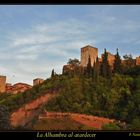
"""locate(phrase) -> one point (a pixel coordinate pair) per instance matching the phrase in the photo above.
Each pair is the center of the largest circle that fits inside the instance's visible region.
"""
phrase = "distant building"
(20, 87)
(2, 84)
(86, 52)
(67, 69)
(138, 60)
(72, 69)
(111, 59)
(37, 81)
(92, 52)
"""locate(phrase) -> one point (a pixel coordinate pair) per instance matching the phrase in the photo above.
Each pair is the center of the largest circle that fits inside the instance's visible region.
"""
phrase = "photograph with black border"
(70, 70)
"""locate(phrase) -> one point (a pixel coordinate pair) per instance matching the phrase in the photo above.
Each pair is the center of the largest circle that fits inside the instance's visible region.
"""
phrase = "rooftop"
(89, 46)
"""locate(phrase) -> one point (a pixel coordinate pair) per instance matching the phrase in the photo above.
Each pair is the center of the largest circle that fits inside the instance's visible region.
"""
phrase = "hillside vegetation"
(59, 124)
(117, 97)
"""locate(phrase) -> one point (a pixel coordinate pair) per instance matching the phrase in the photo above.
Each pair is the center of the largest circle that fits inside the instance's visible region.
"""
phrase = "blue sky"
(34, 39)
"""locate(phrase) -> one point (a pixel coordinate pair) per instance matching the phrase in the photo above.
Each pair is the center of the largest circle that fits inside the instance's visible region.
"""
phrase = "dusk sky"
(35, 39)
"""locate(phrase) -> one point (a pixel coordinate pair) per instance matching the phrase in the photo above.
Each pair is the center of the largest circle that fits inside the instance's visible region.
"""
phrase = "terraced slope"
(26, 113)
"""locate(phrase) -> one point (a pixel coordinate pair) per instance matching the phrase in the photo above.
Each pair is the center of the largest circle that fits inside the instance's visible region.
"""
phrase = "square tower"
(2, 84)
(86, 52)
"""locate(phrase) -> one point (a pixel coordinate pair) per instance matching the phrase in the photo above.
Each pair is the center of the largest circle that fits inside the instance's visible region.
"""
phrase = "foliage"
(129, 63)
(52, 74)
(74, 62)
(105, 67)
(13, 102)
(117, 63)
(110, 126)
(64, 123)
(135, 125)
(96, 70)
(4, 118)
(117, 97)
(89, 68)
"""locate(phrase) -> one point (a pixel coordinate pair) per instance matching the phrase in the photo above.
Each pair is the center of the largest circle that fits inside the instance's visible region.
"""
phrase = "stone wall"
(2, 84)
(138, 60)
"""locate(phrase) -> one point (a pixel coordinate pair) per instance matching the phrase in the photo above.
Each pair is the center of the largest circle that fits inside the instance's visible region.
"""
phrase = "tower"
(2, 84)
(86, 52)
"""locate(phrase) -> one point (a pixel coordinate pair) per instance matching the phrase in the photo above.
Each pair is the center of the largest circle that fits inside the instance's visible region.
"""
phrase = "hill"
(116, 97)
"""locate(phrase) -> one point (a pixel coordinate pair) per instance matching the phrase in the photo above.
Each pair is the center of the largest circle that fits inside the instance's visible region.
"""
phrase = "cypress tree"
(89, 67)
(96, 69)
(105, 68)
(52, 75)
(117, 63)
(4, 118)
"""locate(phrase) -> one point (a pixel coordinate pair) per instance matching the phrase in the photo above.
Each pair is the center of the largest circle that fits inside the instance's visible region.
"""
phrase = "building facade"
(138, 60)
(86, 52)
(2, 84)
(110, 58)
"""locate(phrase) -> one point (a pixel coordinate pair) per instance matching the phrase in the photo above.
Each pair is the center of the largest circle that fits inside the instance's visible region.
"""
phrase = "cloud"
(56, 39)
(42, 47)
(32, 39)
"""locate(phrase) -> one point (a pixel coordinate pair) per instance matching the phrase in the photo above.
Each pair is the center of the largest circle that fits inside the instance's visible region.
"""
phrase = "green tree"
(129, 63)
(4, 118)
(135, 125)
(89, 67)
(105, 68)
(110, 126)
(73, 62)
(117, 63)
(52, 75)
(96, 70)
(74, 67)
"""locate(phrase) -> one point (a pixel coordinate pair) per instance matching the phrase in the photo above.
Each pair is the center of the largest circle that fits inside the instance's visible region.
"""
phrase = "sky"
(34, 39)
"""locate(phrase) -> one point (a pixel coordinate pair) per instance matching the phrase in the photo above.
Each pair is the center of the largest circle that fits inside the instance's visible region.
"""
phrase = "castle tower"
(2, 84)
(86, 52)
